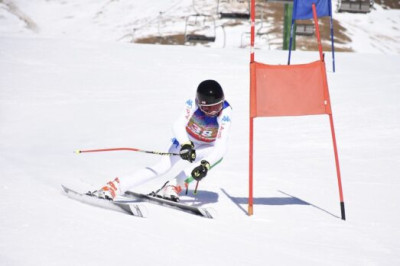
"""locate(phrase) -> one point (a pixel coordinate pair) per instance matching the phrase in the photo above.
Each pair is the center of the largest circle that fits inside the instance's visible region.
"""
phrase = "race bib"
(202, 127)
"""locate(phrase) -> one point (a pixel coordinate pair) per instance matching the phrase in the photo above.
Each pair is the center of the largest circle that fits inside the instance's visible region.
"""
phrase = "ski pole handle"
(128, 149)
(190, 179)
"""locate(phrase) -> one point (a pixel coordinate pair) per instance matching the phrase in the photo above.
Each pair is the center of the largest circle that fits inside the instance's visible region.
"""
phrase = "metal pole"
(128, 149)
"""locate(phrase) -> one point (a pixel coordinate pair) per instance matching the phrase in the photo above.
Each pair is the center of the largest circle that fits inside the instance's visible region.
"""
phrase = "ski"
(204, 212)
(129, 206)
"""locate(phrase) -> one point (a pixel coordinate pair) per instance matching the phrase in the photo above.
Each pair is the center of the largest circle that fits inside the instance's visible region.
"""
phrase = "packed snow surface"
(59, 94)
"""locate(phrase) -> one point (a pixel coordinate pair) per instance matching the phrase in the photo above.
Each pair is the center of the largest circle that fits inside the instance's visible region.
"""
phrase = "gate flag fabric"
(289, 90)
(302, 9)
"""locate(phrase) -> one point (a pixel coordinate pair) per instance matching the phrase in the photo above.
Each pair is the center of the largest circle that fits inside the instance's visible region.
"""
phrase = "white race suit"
(209, 136)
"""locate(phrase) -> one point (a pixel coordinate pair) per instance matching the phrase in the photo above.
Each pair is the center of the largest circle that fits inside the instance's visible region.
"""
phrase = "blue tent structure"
(303, 9)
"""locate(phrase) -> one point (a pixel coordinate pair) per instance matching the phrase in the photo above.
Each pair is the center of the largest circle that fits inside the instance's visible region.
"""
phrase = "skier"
(200, 137)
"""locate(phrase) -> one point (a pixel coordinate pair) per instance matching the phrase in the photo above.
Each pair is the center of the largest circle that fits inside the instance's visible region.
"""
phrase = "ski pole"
(128, 149)
(190, 179)
(195, 189)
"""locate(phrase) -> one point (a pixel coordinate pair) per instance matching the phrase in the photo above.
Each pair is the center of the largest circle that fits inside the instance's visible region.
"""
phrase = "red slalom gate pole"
(317, 31)
(252, 39)
(339, 179)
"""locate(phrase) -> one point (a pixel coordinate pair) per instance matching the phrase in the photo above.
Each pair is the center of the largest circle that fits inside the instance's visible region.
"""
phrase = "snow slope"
(60, 95)
(68, 85)
(375, 32)
(127, 21)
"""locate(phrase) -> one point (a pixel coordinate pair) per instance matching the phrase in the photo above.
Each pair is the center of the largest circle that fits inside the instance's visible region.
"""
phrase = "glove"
(188, 152)
(200, 171)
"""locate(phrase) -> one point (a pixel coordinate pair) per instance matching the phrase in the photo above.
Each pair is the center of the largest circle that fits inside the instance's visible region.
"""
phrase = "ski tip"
(208, 212)
(64, 188)
(139, 210)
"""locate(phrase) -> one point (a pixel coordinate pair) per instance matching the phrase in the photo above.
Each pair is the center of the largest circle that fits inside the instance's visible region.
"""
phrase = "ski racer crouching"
(200, 137)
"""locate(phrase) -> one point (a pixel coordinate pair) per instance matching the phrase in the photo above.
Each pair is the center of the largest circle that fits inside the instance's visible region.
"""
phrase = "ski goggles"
(211, 109)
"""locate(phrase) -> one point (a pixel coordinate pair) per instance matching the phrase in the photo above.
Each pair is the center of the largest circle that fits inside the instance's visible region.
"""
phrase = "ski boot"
(109, 191)
(168, 192)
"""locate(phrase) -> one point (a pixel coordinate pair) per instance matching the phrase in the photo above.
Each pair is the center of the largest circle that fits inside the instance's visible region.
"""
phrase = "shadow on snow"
(202, 197)
(288, 200)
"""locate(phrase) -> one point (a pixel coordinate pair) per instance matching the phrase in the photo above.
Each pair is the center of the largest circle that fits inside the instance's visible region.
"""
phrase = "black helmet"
(209, 92)
(210, 97)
